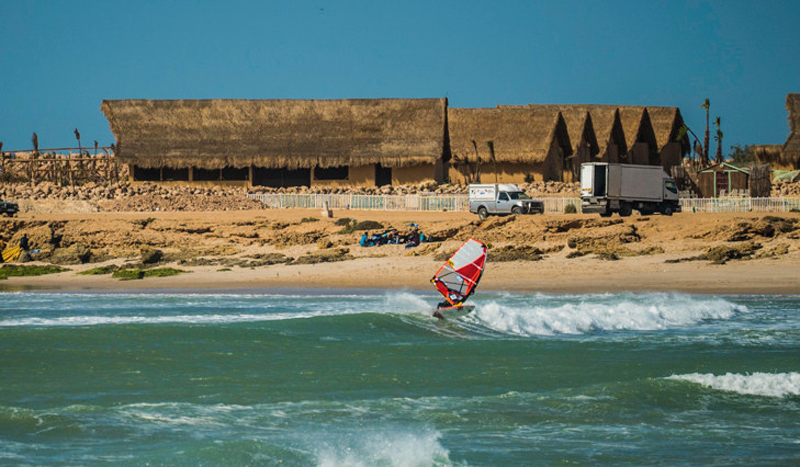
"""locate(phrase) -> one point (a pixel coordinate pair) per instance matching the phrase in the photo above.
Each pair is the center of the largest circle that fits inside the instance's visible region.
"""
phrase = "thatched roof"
(791, 149)
(217, 133)
(605, 120)
(667, 124)
(768, 153)
(519, 135)
(636, 123)
(579, 122)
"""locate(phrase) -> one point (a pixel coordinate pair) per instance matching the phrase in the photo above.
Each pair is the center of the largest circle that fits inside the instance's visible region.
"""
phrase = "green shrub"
(136, 273)
(163, 272)
(128, 274)
(100, 271)
(570, 209)
(23, 271)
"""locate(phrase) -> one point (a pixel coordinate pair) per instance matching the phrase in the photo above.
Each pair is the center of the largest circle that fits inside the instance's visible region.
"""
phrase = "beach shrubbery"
(126, 274)
(14, 270)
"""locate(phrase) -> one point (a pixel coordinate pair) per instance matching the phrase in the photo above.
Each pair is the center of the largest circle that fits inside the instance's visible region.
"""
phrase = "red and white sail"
(459, 275)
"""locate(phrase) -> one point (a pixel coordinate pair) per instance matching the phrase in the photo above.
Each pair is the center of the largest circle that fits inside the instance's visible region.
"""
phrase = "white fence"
(425, 202)
(744, 204)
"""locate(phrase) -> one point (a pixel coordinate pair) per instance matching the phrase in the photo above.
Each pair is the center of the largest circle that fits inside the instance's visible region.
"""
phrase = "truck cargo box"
(639, 182)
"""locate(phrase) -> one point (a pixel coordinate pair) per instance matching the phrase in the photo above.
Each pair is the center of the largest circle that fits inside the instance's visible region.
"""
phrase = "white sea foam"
(383, 447)
(81, 321)
(758, 384)
(558, 315)
(406, 303)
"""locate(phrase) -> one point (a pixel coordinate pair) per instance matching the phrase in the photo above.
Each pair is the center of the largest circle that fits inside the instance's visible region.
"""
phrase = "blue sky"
(60, 59)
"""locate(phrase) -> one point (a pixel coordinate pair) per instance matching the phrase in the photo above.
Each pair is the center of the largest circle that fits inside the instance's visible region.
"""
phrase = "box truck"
(501, 199)
(607, 188)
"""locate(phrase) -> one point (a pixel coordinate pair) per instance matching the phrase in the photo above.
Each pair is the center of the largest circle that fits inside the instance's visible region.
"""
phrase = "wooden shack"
(722, 179)
(280, 142)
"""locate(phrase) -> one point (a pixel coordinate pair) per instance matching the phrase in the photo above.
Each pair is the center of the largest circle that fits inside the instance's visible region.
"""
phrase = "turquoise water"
(263, 377)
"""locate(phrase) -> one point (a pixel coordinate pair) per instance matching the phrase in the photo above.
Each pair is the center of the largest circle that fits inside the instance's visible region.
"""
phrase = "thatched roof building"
(217, 133)
(581, 131)
(671, 137)
(667, 123)
(790, 155)
(525, 142)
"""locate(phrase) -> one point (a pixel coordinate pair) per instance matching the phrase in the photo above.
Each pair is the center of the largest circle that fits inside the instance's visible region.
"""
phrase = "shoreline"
(765, 277)
(654, 254)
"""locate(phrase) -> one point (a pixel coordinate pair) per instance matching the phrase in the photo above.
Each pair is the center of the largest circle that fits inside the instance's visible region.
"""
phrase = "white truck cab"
(486, 199)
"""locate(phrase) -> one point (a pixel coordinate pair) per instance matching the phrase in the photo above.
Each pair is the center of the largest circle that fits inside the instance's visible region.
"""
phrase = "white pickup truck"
(501, 199)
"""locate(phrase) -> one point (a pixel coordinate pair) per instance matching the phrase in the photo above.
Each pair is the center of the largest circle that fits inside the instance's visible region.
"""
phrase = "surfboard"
(453, 312)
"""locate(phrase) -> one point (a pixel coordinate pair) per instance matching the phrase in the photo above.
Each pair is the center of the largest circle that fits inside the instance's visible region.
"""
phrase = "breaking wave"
(756, 384)
(585, 314)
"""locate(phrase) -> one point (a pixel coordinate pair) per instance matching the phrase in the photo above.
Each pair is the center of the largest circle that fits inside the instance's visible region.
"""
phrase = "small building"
(508, 145)
(722, 179)
(282, 142)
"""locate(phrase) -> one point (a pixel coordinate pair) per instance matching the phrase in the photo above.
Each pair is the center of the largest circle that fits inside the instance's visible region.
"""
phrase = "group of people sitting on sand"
(391, 237)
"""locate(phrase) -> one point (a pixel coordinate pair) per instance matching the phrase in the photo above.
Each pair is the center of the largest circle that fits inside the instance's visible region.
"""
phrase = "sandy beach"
(760, 253)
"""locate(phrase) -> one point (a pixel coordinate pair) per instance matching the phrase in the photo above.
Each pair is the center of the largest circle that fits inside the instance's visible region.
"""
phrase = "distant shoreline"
(562, 254)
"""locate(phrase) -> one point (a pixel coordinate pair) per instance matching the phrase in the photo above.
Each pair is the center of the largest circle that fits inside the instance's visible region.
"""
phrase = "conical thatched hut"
(507, 145)
(581, 132)
(672, 141)
(282, 142)
(639, 136)
(609, 133)
(790, 154)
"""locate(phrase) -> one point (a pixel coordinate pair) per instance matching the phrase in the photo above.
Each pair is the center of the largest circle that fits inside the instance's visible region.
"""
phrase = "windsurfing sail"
(459, 275)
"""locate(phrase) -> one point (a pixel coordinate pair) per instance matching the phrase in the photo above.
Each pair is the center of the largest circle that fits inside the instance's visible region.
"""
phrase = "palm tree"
(718, 137)
(706, 105)
(78, 137)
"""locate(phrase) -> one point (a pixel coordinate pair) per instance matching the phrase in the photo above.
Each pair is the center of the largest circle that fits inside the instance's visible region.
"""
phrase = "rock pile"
(534, 189)
(144, 197)
(139, 197)
(785, 188)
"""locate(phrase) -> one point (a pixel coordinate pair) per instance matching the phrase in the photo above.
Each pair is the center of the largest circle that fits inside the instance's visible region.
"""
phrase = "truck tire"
(483, 213)
(666, 209)
(625, 209)
(516, 210)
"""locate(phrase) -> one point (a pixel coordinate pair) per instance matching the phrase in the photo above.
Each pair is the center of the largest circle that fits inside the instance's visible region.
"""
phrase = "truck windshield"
(518, 195)
(670, 185)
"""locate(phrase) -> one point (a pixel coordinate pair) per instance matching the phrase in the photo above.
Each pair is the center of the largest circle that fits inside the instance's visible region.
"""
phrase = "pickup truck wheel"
(483, 213)
(516, 210)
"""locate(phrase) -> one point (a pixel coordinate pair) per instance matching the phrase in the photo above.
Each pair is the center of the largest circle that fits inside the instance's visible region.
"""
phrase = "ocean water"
(294, 377)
